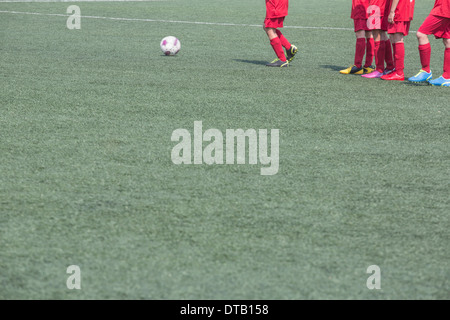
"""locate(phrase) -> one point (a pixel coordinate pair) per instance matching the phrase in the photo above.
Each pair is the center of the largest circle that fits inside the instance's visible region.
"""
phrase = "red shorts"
(274, 23)
(437, 26)
(360, 24)
(378, 23)
(384, 23)
(399, 27)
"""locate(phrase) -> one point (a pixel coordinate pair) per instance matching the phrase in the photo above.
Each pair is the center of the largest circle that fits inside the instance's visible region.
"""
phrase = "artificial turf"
(87, 177)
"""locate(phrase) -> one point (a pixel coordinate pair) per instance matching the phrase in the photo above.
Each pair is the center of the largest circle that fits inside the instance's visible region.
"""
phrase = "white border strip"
(58, 1)
(171, 21)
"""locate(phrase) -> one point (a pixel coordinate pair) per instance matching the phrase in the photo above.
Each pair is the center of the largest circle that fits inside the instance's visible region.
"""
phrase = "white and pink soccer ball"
(170, 45)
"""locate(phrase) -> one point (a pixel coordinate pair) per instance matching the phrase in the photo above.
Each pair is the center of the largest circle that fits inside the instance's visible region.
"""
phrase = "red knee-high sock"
(446, 74)
(388, 55)
(379, 55)
(370, 45)
(284, 42)
(393, 51)
(278, 48)
(359, 51)
(399, 49)
(425, 56)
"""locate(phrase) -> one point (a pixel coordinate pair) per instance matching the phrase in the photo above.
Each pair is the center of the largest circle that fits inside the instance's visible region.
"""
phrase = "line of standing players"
(374, 20)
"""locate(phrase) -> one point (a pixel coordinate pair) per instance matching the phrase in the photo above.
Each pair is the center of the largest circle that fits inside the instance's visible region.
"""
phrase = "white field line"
(171, 21)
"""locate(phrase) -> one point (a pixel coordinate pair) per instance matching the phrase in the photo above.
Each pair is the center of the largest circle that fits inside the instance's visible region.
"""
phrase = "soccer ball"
(170, 45)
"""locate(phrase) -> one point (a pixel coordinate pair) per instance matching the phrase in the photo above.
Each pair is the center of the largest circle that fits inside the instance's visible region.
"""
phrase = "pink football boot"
(372, 75)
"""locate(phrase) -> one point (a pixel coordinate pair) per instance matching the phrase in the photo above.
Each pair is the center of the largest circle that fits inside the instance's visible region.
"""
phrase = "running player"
(276, 11)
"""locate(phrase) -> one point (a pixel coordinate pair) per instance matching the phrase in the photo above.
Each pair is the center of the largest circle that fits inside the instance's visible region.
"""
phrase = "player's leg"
(444, 80)
(427, 28)
(360, 49)
(291, 50)
(271, 33)
(379, 56)
(424, 51)
(425, 73)
(388, 54)
(275, 42)
(446, 74)
(370, 45)
(422, 38)
(360, 28)
(399, 53)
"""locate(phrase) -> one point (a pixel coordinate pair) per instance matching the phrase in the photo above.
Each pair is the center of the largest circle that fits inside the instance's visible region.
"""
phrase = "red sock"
(393, 51)
(425, 56)
(379, 55)
(278, 48)
(399, 49)
(388, 55)
(359, 51)
(370, 45)
(284, 42)
(446, 74)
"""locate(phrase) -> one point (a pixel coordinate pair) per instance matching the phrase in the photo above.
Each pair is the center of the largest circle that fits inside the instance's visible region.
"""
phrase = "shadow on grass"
(259, 62)
(415, 84)
(332, 67)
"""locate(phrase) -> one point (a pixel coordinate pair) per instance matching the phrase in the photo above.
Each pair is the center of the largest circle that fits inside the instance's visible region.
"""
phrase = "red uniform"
(359, 9)
(277, 8)
(377, 15)
(404, 10)
(411, 9)
(380, 4)
(404, 14)
(276, 11)
(438, 22)
(441, 8)
(359, 14)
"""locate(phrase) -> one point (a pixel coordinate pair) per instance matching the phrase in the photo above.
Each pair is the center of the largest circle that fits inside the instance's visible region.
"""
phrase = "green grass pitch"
(86, 176)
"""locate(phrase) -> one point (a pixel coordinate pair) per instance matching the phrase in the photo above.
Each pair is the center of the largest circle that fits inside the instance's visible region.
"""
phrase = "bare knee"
(447, 43)
(360, 34)
(421, 36)
(397, 37)
(271, 33)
